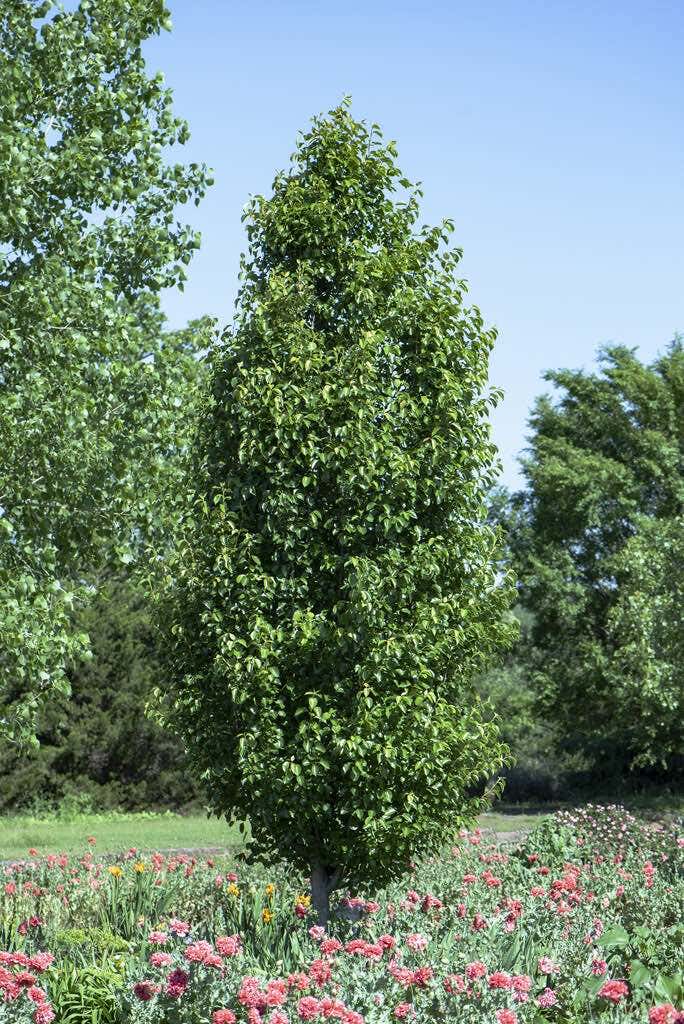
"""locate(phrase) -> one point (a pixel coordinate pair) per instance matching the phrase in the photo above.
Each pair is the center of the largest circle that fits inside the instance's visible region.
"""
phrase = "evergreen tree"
(96, 743)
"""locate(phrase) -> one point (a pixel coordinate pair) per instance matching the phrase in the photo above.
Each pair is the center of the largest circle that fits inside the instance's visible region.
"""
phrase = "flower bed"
(581, 922)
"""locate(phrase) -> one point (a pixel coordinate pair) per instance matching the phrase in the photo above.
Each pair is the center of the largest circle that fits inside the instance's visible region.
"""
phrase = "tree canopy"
(334, 588)
(598, 548)
(88, 238)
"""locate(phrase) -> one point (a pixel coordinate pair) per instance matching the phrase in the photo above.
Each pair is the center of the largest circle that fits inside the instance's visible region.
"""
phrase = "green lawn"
(510, 822)
(113, 833)
(116, 832)
(152, 832)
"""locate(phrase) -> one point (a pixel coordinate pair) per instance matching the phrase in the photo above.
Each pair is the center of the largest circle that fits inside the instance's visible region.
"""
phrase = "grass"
(113, 833)
(147, 831)
(510, 822)
(116, 832)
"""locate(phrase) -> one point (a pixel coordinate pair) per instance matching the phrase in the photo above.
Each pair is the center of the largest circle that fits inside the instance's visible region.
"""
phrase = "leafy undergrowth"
(581, 922)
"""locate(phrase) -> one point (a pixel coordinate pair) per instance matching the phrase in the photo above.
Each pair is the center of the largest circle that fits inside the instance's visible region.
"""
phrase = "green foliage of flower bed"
(580, 922)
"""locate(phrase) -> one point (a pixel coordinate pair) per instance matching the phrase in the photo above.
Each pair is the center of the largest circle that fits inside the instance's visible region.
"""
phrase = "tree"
(87, 241)
(646, 630)
(597, 553)
(96, 742)
(334, 589)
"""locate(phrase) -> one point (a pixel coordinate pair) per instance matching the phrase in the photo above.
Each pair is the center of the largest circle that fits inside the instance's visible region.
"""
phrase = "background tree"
(596, 528)
(88, 238)
(646, 629)
(96, 744)
(334, 589)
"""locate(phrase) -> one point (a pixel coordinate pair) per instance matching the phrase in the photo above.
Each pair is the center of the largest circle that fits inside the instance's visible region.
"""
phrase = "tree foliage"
(96, 743)
(646, 630)
(598, 549)
(334, 588)
(88, 237)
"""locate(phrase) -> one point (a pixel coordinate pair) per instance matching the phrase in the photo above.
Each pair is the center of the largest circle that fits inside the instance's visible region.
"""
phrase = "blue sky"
(552, 134)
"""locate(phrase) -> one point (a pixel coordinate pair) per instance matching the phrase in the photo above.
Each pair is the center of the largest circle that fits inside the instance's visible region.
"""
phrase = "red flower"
(499, 979)
(506, 1017)
(145, 990)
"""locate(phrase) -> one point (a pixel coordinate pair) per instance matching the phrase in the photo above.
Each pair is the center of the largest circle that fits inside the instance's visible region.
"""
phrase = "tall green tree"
(334, 589)
(88, 238)
(598, 551)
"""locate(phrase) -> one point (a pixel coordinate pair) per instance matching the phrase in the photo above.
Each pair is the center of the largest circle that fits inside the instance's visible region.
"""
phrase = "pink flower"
(475, 970)
(160, 959)
(330, 946)
(599, 967)
(402, 975)
(521, 983)
(416, 942)
(157, 938)
(41, 961)
(308, 1008)
(613, 990)
(506, 1017)
(228, 945)
(422, 976)
(299, 981)
(547, 966)
(198, 952)
(179, 927)
(430, 903)
(402, 1010)
(278, 1017)
(320, 971)
(36, 994)
(547, 998)
(317, 932)
(223, 1017)
(663, 1014)
(43, 1014)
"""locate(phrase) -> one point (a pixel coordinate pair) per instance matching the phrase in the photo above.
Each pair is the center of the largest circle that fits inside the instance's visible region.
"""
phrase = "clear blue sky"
(552, 133)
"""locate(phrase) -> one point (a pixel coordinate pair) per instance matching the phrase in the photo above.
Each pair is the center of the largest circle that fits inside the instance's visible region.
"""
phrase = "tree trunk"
(322, 884)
